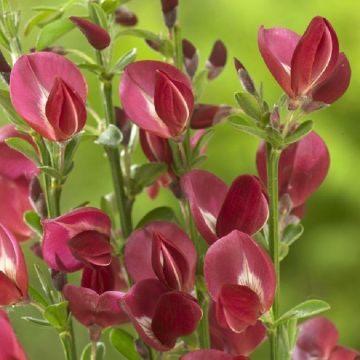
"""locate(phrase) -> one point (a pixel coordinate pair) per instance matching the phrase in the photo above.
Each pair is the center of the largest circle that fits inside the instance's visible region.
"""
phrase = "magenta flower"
(94, 310)
(77, 239)
(302, 169)
(161, 250)
(211, 355)
(241, 280)
(9, 345)
(307, 66)
(49, 92)
(98, 37)
(206, 115)
(317, 339)
(157, 97)
(243, 206)
(160, 316)
(13, 273)
(16, 172)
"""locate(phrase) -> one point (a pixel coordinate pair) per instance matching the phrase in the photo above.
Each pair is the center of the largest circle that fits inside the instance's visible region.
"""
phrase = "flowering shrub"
(203, 286)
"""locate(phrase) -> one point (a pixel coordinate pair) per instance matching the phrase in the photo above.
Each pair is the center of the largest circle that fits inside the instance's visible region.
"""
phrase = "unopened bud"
(245, 79)
(217, 60)
(169, 9)
(191, 57)
(275, 117)
(125, 17)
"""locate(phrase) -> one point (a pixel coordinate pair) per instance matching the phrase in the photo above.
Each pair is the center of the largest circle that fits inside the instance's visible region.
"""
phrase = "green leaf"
(125, 60)
(33, 220)
(52, 172)
(139, 33)
(37, 297)
(94, 68)
(101, 17)
(160, 213)
(40, 19)
(23, 147)
(292, 332)
(199, 83)
(70, 149)
(57, 315)
(301, 131)
(274, 137)
(100, 352)
(81, 55)
(304, 310)
(52, 32)
(109, 6)
(248, 104)
(111, 137)
(145, 175)
(35, 321)
(247, 126)
(108, 204)
(291, 233)
(124, 343)
(6, 105)
(44, 281)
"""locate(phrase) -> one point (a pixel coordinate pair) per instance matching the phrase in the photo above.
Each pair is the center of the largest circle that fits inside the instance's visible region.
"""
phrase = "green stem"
(93, 350)
(178, 47)
(273, 156)
(66, 342)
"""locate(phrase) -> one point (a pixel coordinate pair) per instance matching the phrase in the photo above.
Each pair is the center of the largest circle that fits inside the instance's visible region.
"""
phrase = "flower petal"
(277, 46)
(245, 207)
(206, 194)
(109, 311)
(341, 353)
(210, 355)
(206, 115)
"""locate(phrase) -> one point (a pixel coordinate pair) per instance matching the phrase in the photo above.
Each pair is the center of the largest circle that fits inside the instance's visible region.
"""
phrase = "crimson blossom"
(13, 273)
(243, 206)
(157, 97)
(78, 239)
(16, 172)
(241, 280)
(9, 345)
(49, 93)
(211, 355)
(303, 167)
(308, 66)
(318, 339)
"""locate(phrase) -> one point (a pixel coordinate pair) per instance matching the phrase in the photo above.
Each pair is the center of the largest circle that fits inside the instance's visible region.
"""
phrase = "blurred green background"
(324, 263)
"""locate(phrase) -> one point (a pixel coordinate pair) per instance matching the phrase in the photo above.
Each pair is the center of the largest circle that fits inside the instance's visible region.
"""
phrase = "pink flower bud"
(162, 250)
(217, 60)
(318, 338)
(77, 239)
(243, 287)
(155, 148)
(191, 57)
(307, 66)
(243, 206)
(94, 310)
(98, 37)
(125, 17)
(211, 355)
(302, 169)
(13, 273)
(169, 9)
(9, 345)
(245, 78)
(206, 115)
(160, 316)
(157, 97)
(49, 92)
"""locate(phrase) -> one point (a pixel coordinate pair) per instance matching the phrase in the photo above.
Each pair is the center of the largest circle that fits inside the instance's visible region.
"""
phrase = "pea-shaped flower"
(49, 93)
(157, 97)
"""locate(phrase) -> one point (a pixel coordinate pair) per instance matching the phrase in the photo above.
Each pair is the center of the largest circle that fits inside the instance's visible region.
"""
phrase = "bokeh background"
(324, 263)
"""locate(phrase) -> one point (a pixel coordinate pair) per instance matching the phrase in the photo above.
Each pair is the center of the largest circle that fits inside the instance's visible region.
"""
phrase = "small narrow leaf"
(145, 175)
(6, 105)
(199, 83)
(57, 315)
(304, 310)
(23, 147)
(35, 321)
(139, 33)
(248, 104)
(40, 18)
(33, 220)
(292, 233)
(111, 137)
(52, 172)
(125, 60)
(37, 297)
(101, 17)
(160, 213)
(301, 131)
(44, 281)
(124, 343)
(247, 126)
(100, 352)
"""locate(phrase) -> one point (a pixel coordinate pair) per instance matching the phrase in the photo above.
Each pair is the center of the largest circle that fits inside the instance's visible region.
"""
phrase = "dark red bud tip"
(4, 66)
(37, 197)
(191, 57)
(124, 124)
(169, 9)
(217, 60)
(155, 45)
(125, 17)
(98, 37)
(275, 117)
(238, 65)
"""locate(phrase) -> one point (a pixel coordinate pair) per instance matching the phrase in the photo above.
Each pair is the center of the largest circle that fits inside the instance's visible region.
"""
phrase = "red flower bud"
(13, 273)
(4, 66)
(303, 167)
(78, 238)
(46, 84)
(191, 57)
(155, 148)
(245, 78)
(242, 287)
(307, 66)
(217, 60)
(160, 316)
(157, 97)
(211, 355)
(169, 9)
(162, 250)
(206, 115)
(243, 206)
(98, 37)
(125, 17)
(9, 345)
